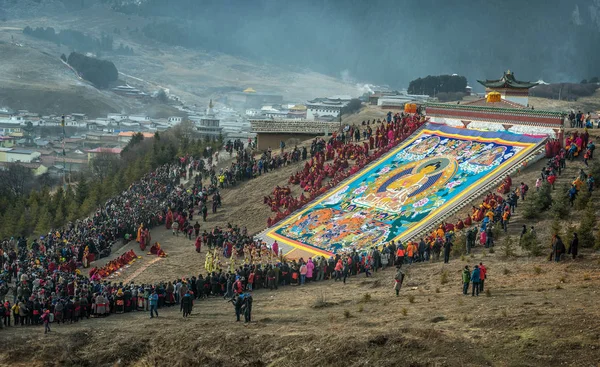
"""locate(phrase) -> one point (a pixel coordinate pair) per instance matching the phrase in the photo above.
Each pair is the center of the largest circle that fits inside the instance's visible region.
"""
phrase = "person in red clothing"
(198, 244)
(482, 275)
(338, 270)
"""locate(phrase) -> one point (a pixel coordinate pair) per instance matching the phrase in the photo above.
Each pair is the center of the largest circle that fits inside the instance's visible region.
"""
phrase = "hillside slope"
(40, 82)
(193, 75)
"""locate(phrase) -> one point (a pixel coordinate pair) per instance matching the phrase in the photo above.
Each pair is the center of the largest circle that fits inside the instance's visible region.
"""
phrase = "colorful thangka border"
(398, 194)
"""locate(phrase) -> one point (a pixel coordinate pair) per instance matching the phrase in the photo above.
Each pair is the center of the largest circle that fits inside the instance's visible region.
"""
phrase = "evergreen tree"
(9, 222)
(22, 227)
(508, 250)
(544, 197)
(530, 210)
(82, 192)
(587, 225)
(582, 199)
(89, 205)
(44, 223)
(561, 208)
(59, 218)
(73, 211)
(555, 228)
(118, 183)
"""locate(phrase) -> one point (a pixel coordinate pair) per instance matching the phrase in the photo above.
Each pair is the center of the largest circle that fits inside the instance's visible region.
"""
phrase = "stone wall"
(266, 140)
(290, 127)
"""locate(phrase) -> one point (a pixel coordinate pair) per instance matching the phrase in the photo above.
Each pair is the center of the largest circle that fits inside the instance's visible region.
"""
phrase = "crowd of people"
(347, 158)
(47, 271)
(50, 287)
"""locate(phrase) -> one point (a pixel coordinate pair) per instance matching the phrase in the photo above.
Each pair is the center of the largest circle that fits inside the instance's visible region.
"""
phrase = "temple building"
(209, 125)
(504, 108)
(326, 109)
(509, 88)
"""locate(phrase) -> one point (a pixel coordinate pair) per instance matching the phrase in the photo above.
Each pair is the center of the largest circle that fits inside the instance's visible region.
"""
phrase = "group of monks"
(256, 252)
(576, 143)
(315, 171)
(98, 273)
(143, 237)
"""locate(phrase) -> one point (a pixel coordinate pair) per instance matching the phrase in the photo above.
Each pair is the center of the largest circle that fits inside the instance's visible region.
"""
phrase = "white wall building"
(331, 106)
(174, 120)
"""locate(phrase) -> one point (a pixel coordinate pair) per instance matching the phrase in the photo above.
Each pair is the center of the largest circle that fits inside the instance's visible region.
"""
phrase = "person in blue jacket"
(475, 278)
(153, 300)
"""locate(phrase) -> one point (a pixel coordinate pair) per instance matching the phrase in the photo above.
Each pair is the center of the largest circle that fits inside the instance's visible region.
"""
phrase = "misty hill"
(41, 82)
(389, 42)
(194, 75)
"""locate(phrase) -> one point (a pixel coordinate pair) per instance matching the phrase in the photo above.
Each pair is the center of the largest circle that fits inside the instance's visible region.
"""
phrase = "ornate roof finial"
(210, 104)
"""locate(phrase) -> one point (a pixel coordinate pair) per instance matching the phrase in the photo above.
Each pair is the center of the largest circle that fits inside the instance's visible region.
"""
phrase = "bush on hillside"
(537, 202)
(100, 72)
(560, 203)
(586, 227)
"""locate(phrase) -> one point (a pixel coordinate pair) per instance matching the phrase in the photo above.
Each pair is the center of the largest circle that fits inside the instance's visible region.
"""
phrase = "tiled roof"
(504, 103)
(515, 111)
(105, 150)
(507, 81)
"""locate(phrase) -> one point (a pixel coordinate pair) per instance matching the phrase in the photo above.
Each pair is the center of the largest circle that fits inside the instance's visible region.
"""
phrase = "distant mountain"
(385, 41)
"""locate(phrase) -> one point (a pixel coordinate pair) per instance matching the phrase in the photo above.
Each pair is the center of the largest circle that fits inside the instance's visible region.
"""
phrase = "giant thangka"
(398, 194)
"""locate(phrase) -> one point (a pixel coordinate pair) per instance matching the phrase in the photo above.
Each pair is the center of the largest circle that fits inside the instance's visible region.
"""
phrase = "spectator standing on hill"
(482, 276)
(475, 278)
(447, 247)
(466, 278)
(153, 300)
(398, 280)
(574, 246)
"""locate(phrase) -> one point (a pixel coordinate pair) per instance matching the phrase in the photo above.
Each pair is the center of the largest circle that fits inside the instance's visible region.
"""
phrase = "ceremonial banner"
(398, 194)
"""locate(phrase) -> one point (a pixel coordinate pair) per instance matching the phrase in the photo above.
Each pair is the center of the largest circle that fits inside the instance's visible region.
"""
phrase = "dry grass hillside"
(195, 76)
(37, 81)
(534, 312)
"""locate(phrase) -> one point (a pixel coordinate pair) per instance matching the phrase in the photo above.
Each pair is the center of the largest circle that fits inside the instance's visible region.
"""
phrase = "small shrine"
(507, 88)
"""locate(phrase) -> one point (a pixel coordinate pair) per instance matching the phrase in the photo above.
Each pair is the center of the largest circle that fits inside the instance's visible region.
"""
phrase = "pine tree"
(460, 243)
(59, 218)
(9, 222)
(89, 205)
(569, 233)
(44, 223)
(82, 191)
(118, 183)
(555, 228)
(582, 199)
(22, 228)
(543, 199)
(561, 208)
(508, 250)
(73, 211)
(530, 209)
(587, 225)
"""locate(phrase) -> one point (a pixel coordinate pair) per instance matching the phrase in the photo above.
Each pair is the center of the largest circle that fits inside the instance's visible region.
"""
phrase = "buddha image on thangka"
(408, 183)
(397, 193)
(332, 230)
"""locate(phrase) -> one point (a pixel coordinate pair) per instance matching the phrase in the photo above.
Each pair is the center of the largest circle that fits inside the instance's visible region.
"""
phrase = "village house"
(93, 153)
(18, 155)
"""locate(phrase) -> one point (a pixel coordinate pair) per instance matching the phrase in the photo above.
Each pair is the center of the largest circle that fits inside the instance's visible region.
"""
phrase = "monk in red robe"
(169, 219)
